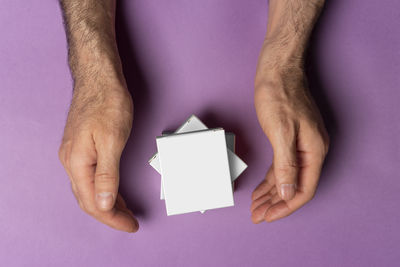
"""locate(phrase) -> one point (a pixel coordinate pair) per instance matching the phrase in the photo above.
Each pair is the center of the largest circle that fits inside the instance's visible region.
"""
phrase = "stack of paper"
(197, 167)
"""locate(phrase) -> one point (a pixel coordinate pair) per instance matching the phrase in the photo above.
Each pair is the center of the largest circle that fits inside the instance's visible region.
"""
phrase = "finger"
(271, 194)
(106, 179)
(121, 220)
(74, 190)
(308, 181)
(120, 202)
(64, 156)
(261, 200)
(285, 165)
(82, 167)
(313, 152)
(266, 185)
(258, 214)
(275, 198)
(277, 211)
(121, 205)
(312, 148)
(83, 159)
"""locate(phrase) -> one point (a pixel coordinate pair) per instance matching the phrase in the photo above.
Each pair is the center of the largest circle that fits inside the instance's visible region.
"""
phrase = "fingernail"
(288, 191)
(105, 200)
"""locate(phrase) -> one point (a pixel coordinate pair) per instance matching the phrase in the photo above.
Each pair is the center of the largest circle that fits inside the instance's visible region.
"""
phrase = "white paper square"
(195, 171)
(236, 165)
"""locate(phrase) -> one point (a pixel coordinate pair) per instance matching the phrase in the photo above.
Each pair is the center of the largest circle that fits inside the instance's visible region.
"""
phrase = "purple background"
(184, 57)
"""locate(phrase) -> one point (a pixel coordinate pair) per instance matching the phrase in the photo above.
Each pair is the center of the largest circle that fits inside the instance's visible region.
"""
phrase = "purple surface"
(184, 57)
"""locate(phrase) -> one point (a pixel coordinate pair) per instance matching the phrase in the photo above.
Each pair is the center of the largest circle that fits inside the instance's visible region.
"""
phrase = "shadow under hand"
(139, 89)
(319, 91)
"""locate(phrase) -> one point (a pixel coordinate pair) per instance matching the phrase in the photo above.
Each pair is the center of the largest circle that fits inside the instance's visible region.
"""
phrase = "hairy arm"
(92, 48)
(100, 117)
(290, 23)
(287, 113)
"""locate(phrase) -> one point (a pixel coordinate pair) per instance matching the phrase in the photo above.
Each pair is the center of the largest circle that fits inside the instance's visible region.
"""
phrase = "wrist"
(104, 82)
(95, 97)
(103, 86)
(91, 65)
(279, 66)
(98, 76)
(276, 56)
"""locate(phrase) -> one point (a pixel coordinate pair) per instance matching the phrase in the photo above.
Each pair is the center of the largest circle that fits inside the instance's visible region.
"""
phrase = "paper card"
(195, 171)
(236, 165)
(230, 144)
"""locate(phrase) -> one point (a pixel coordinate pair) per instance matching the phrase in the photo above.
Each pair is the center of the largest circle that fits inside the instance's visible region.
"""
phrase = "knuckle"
(286, 169)
(108, 134)
(64, 153)
(324, 148)
(74, 190)
(289, 164)
(61, 154)
(76, 160)
(105, 178)
(66, 162)
(112, 140)
(322, 142)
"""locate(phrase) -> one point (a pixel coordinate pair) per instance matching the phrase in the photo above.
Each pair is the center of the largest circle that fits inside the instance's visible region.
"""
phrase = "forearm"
(290, 23)
(90, 29)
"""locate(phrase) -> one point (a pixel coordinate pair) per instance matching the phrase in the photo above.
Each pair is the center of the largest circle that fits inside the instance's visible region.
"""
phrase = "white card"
(236, 165)
(195, 171)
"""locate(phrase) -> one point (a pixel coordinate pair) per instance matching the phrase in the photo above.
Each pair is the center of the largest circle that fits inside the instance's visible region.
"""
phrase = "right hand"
(293, 124)
(97, 129)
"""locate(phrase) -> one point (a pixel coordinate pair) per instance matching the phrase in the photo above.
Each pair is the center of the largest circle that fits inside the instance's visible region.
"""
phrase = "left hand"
(292, 122)
(97, 129)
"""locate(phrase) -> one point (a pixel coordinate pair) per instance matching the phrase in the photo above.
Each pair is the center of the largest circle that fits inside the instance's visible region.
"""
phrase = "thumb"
(286, 169)
(106, 179)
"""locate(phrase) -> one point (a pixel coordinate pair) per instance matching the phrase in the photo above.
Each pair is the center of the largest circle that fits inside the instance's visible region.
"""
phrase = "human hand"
(97, 129)
(292, 122)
